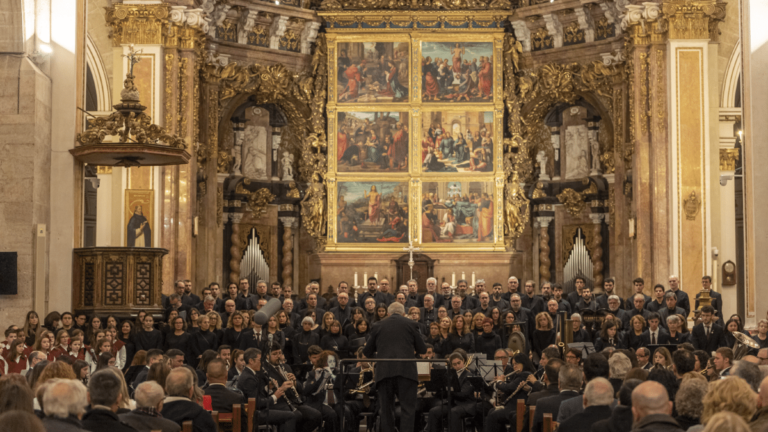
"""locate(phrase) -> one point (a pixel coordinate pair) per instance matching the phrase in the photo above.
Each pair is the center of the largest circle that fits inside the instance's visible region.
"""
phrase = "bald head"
(751, 359)
(649, 398)
(599, 391)
(216, 372)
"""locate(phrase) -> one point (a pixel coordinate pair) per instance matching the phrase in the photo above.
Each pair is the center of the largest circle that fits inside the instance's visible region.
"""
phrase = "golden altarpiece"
(531, 138)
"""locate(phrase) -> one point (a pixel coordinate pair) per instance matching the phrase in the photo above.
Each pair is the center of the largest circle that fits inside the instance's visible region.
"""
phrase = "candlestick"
(473, 279)
(453, 279)
(356, 279)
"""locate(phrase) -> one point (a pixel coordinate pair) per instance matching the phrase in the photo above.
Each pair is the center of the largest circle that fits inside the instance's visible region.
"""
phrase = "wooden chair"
(249, 410)
(548, 423)
(236, 417)
(186, 426)
(215, 416)
(531, 413)
(520, 414)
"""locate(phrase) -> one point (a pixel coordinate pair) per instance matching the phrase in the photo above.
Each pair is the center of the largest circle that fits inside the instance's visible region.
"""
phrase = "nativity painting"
(372, 72)
(372, 142)
(457, 141)
(457, 212)
(372, 212)
(456, 72)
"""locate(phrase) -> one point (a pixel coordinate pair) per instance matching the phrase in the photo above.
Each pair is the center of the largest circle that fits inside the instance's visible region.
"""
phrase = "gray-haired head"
(64, 398)
(307, 320)
(179, 382)
(396, 309)
(148, 394)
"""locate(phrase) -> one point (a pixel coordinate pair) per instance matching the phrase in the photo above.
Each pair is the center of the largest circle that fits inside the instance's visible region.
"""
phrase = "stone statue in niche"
(594, 145)
(541, 158)
(238, 152)
(255, 152)
(576, 152)
(287, 162)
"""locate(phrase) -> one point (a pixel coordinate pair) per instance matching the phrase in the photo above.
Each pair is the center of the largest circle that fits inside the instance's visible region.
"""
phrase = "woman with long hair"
(192, 317)
(82, 370)
(93, 327)
(544, 335)
(126, 403)
(138, 364)
(247, 323)
(43, 344)
(633, 338)
(335, 341)
(235, 327)
(102, 346)
(215, 326)
(52, 321)
(326, 322)
(733, 325)
(355, 315)
(179, 339)
(203, 340)
(609, 337)
(283, 320)
(15, 358)
(111, 321)
(95, 338)
(139, 323)
(32, 328)
(203, 366)
(158, 373)
(442, 312)
(496, 317)
(324, 373)
(118, 348)
(167, 327)
(60, 344)
(271, 331)
(477, 324)
(381, 312)
(76, 350)
(105, 360)
(125, 335)
(460, 336)
(662, 358)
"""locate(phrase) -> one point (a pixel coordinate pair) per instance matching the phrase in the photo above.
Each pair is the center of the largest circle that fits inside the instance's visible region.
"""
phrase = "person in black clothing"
(633, 338)
(655, 334)
(234, 329)
(104, 392)
(125, 334)
(203, 340)
(303, 339)
(580, 334)
(598, 397)
(335, 341)
(608, 290)
(488, 341)
(569, 381)
(574, 296)
(657, 302)
(530, 300)
(707, 336)
(149, 398)
(342, 310)
(245, 300)
(762, 334)
(544, 335)
(222, 398)
(510, 388)
(148, 338)
(717, 299)
(682, 297)
(253, 383)
(672, 308)
(586, 301)
(609, 337)
(175, 304)
(180, 339)
(621, 417)
(396, 337)
(278, 374)
(316, 393)
(463, 402)
(177, 407)
(459, 337)
(357, 315)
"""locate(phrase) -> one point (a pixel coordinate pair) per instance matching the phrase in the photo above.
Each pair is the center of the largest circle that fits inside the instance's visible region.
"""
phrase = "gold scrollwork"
(538, 192)
(137, 24)
(183, 96)
(603, 28)
(290, 41)
(572, 33)
(415, 5)
(694, 19)
(257, 201)
(728, 159)
(541, 39)
(573, 201)
(169, 91)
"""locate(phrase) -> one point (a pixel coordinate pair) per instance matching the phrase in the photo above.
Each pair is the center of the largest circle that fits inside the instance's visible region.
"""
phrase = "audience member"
(149, 403)
(569, 381)
(21, 421)
(222, 398)
(598, 396)
(621, 417)
(730, 394)
(596, 366)
(105, 395)
(618, 366)
(759, 421)
(178, 406)
(689, 401)
(15, 394)
(727, 421)
(65, 402)
(749, 372)
(652, 409)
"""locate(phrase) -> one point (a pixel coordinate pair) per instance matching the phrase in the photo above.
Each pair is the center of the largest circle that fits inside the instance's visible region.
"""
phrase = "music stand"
(586, 348)
(479, 386)
(488, 369)
(437, 380)
(473, 367)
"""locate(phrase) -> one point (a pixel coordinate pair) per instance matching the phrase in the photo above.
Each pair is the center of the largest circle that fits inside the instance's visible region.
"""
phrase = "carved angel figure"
(313, 209)
(287, 163)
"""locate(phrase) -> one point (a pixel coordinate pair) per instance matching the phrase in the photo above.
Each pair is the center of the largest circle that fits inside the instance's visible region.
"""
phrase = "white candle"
(453, 279)
(376, 275)
(356, 279)
(365, 278)
(473, 278)
(463, 277)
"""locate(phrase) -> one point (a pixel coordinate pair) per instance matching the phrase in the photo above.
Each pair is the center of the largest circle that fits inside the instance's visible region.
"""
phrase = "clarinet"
(274, 381)
(281, 369)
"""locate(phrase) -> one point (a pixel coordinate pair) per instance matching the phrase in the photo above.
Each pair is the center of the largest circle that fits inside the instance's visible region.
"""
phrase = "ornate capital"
(288, 221)
(277, 30)
(554, 28)
(728, 159)
(694, 19)
(644, 23)
(247, 21)
(138, 23)
(544, 221)
(597, 218)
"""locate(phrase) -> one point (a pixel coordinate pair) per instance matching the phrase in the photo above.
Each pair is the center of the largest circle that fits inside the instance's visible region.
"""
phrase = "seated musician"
(509, 389)
(279, 374)
(271, 408)
(319, 389)
(356, 399)
(464, 401)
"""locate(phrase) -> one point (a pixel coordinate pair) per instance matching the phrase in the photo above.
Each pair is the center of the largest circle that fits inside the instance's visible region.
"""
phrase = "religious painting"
(457, 212)
(457, 141)
(372, 72)
(375, 142)
(139, 210)
(372, 212)
(456, 72)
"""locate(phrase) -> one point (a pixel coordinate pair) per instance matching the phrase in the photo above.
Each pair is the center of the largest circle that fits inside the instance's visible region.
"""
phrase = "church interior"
(291, 141)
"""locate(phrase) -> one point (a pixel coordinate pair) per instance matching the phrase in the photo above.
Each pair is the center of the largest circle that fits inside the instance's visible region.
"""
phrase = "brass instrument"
(363, 387)
(743, 344)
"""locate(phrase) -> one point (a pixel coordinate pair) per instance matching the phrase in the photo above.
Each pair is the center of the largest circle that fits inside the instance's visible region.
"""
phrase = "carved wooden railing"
(117, 280)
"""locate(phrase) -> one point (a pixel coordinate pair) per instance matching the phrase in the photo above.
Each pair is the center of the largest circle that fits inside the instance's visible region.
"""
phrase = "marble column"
(289, 223)
(545, 263)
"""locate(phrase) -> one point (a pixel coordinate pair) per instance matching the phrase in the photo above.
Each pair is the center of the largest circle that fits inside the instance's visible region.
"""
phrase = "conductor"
(396, 337)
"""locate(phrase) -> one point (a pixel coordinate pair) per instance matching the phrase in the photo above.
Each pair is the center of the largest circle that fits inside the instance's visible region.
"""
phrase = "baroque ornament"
(414, 4)
(257, 201)
(573, 201)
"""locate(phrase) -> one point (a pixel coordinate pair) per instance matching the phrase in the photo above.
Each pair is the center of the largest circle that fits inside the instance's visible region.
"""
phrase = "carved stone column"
(597, 249)
(287, 274)
(555, 139)
(545, 263)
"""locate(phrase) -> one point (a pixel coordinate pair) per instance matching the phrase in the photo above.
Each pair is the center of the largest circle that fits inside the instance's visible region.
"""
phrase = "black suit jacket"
(245, 303)
(395, 337)
(550, 405)
(662, 336)
(184, 410)
(602, 301)
(223, 398)
(583, 421)
(707, 344)
(144, 422)
(103, 420)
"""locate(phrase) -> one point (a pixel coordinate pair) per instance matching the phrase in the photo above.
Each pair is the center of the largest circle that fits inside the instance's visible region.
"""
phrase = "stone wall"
(25, 165)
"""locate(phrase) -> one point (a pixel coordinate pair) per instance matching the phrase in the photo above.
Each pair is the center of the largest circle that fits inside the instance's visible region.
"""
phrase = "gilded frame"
(416, 108)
